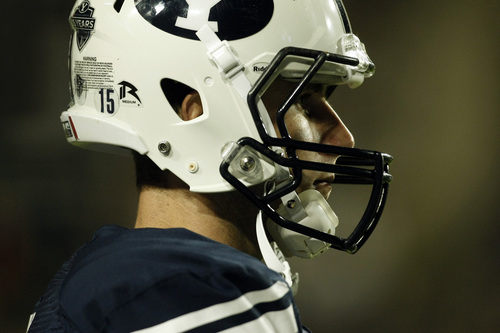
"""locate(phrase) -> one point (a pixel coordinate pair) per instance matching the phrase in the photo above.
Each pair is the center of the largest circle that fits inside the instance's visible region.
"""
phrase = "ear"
(191, 107)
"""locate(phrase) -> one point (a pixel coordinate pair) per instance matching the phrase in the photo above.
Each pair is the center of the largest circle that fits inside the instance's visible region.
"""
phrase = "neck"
(224, 217)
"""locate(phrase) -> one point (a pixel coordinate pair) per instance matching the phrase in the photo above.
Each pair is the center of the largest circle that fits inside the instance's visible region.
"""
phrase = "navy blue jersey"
(164, 280)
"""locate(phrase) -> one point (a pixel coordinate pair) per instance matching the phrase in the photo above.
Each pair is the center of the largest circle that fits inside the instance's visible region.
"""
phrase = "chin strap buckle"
(229, 65)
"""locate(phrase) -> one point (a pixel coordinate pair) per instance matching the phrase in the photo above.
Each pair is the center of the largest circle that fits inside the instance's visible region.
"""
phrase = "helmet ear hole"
(175, 92)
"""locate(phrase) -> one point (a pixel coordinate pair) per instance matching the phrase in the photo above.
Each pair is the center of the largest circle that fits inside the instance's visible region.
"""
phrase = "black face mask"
(354, 166)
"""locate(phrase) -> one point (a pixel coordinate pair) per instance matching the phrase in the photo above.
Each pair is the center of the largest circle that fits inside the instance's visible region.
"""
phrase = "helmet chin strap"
(274, 258)
(222, 55)
(231, 68)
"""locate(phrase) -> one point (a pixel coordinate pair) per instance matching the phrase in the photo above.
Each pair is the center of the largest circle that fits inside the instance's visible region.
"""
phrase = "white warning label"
(94, 74)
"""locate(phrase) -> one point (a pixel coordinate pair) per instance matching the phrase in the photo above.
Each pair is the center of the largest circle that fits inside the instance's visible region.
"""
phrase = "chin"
(325, 189)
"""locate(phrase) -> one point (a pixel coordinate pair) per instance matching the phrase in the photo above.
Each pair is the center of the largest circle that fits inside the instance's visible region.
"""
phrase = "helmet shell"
(118, 59)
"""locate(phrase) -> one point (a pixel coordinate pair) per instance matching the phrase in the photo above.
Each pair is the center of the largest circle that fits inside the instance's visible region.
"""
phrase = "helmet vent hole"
(118, 5)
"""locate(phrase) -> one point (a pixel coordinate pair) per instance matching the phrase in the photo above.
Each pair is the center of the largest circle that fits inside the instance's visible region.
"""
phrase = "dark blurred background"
(433, 263)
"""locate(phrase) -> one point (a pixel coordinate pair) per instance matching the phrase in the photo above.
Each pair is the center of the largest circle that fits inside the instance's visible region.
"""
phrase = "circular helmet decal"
(230, 19)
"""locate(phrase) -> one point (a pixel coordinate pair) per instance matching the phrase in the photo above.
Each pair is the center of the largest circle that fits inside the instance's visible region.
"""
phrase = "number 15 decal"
(108, 101)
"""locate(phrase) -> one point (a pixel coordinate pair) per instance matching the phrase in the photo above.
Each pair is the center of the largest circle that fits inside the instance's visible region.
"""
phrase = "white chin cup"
(317, 214)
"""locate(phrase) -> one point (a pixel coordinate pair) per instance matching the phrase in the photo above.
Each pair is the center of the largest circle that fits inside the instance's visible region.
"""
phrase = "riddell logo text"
(259, 69)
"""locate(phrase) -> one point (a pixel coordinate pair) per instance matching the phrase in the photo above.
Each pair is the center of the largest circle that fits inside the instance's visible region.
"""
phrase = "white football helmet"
(126, 55)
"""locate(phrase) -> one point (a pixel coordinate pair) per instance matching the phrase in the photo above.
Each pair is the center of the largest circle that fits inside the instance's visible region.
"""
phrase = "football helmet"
(127, 56)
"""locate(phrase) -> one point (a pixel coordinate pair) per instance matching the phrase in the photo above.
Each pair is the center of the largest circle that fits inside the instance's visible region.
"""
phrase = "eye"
(303, 98)
(307, 101)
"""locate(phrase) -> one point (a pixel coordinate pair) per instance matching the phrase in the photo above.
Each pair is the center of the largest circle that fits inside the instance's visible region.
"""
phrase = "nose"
(331, 129)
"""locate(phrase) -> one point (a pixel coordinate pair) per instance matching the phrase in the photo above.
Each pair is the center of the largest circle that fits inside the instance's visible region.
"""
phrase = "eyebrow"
(324, 89)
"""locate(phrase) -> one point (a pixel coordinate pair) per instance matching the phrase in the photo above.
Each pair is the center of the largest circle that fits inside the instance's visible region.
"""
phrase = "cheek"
(300, 128)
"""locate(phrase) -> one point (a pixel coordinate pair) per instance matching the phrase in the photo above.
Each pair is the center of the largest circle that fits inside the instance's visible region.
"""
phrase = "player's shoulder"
(164, 252)
(123, 268)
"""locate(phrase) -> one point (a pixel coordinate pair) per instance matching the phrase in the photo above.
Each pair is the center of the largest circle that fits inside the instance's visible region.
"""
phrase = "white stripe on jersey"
(282, 321)
(216, 312)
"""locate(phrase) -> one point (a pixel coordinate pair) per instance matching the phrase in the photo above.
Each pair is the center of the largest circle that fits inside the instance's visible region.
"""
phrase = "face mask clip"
(243, 163)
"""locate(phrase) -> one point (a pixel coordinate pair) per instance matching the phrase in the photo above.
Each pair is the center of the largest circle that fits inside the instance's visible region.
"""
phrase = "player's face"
(311, 119)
